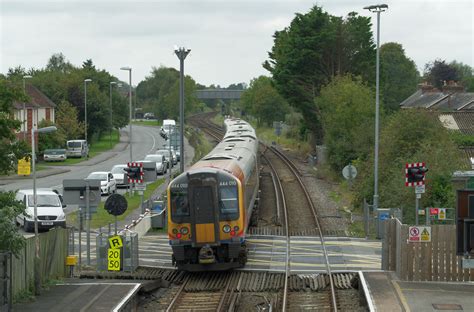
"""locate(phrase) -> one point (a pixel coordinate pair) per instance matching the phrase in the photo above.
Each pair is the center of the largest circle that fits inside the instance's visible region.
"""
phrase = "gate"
(5, 281)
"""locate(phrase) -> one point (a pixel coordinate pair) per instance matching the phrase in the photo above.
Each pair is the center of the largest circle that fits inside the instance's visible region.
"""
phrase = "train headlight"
(184, 230)
(175, 231)
(236, 228)
(226, 228)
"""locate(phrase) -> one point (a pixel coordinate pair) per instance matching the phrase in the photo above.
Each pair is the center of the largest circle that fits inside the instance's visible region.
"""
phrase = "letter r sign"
(115, 242)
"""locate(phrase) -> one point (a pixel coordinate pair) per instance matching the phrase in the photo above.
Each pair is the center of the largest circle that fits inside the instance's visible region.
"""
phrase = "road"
(146, 140)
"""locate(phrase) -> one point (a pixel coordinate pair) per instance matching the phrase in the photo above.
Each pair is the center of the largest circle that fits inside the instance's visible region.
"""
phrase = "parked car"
(174, 157)
(120, 175)
(149, 116)
(161, 164)
(108, 185)
(49, 209)
(167, 155)
(77, 148)
(178, 155)
(54, 155)
(163, 134)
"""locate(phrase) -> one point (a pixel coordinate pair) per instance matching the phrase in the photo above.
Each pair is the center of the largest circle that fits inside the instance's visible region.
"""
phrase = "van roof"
(76, 140)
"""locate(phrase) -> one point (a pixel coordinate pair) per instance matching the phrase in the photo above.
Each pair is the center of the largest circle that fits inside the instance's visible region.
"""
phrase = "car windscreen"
(97, 176)
(74, 144)
(44, 201)
(118, 170)
(155, 158)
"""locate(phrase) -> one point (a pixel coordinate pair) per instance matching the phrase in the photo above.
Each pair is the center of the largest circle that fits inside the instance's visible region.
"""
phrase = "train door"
(203, 200)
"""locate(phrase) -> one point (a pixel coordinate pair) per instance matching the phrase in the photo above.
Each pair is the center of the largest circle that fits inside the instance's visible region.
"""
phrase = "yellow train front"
(209, 206)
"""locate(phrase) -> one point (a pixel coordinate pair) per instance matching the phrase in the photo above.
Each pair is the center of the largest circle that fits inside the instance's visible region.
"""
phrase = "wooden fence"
(53, 253)
(434, 261)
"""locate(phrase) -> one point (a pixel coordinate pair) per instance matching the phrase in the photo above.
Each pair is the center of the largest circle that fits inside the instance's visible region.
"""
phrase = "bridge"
(218, 94)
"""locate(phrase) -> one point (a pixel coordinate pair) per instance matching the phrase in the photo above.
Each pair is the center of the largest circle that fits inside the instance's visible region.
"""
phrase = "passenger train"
(210, 204)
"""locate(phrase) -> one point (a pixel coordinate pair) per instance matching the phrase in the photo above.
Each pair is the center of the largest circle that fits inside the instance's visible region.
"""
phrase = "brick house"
(39, 108)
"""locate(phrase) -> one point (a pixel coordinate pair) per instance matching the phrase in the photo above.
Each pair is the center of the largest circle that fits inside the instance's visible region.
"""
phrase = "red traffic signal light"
(134, 172)
(415, 174)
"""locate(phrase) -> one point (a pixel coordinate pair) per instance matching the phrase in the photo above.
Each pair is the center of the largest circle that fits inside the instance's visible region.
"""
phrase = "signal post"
(415, 176)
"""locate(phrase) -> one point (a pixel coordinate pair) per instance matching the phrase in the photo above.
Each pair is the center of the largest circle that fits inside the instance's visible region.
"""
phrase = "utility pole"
(181, 53)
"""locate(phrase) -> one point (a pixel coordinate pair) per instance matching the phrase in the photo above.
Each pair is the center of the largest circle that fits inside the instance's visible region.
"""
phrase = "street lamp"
(111, 123)
(377, 8)
(85, 107)
(35, 205)
(181, 53)
(130, 100)
(25, 124)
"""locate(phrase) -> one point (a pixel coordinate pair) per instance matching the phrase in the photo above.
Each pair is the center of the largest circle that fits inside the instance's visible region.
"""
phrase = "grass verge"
(154, 123)
(200, 144)
(105, 143)
(103, 218)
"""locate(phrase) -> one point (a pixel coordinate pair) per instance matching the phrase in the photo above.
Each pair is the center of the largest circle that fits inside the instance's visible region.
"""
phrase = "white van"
(168, 125)
(49, 210)
(77, 148)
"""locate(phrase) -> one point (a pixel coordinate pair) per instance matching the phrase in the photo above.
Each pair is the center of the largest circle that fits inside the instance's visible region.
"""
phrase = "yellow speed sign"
(24, 167)
(113, 260)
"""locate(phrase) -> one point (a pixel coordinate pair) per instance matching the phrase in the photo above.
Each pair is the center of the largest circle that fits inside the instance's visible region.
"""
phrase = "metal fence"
(53, 253)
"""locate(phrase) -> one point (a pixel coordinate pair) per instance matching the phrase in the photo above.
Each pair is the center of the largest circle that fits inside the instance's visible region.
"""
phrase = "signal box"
(465, 222)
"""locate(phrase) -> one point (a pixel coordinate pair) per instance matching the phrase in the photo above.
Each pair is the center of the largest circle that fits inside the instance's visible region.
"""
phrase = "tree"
(347, 113)
(465, 75)
(10, 151)
(57, 62)
(67, 121)
(54, 139)
(263, 101)
(411, 135)
(313, 49)
(398, 75)
(438, 72)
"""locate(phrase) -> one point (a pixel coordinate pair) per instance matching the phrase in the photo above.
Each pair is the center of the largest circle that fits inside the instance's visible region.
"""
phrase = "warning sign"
(24, 167)
(113, 260)
(442, 214)
(419, 234)
(115, 242)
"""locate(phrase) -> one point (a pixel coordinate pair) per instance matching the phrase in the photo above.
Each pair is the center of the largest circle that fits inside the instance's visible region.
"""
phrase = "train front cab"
(207, 222)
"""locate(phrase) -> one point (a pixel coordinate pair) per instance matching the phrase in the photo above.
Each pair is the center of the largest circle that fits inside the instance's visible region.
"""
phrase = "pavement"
(392, 295)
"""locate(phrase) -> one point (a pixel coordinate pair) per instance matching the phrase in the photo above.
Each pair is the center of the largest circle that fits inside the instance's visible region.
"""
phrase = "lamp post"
(111, 123)
(378, 8)
(181, 53)
(37, 270)
(130, 103)
(85, 108)
(25, 123)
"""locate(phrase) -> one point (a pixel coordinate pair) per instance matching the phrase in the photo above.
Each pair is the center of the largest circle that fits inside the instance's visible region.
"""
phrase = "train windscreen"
(179, 203)
(228, 202)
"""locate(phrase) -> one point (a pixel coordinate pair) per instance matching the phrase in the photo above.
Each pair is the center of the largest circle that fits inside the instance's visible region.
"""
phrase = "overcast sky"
(229, 39)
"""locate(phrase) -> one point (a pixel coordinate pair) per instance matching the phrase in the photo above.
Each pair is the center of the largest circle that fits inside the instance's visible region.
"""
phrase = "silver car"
(161, 167)
(120, 175)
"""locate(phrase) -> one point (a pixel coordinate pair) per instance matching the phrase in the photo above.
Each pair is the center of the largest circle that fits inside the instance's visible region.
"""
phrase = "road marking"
(401, 296)
(154, 142)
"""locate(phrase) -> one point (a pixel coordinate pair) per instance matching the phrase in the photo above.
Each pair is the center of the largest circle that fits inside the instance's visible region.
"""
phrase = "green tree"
(67, 121)
(263, 101)
(10, 150)
(465, 75)
(411, 135)
(54, 139)
(347, 113)
(398, 75)
(313, 49)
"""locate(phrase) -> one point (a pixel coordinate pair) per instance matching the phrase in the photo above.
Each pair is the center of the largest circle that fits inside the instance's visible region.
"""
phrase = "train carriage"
(210, 204)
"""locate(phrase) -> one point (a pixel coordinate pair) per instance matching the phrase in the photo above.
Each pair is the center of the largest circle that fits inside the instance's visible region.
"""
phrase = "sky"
(229, 39)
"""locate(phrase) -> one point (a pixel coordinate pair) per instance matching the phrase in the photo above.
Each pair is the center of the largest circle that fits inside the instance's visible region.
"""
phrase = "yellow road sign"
(113, 260)
(442, 214)
(115, 242)
(24, 167)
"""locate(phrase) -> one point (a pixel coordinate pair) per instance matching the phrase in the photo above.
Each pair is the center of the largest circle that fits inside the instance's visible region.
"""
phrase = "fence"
(53, 253)
(433, 261)
(5, 281)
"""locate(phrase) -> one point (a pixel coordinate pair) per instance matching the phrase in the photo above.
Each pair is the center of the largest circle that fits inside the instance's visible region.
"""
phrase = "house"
(39, 108)
(454, 106)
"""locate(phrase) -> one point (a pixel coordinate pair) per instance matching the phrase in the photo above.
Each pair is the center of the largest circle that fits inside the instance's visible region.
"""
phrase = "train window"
(228, 202)
(179, 203)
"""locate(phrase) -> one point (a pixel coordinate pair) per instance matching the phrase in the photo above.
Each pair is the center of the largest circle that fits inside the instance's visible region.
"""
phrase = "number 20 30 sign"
(113, 260)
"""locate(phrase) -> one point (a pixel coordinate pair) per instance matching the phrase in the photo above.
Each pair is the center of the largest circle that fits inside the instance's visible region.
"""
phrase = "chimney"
(452, 87)
(426, 87)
